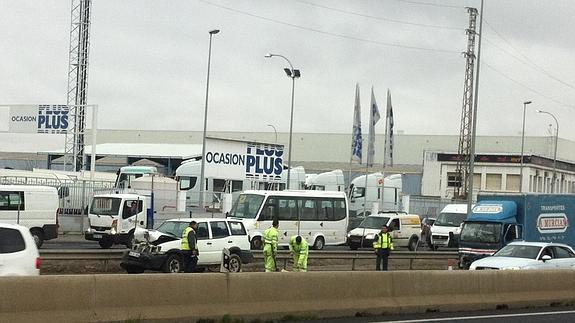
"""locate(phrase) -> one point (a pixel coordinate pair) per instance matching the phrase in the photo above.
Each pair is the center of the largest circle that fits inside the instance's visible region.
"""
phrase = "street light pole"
(275, 131)
(555, 153)
(293, 73)
(522, 145)
(203, 167)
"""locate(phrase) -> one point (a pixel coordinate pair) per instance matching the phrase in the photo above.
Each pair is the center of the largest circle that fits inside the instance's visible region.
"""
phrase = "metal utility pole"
(462, 170)
(74, 158)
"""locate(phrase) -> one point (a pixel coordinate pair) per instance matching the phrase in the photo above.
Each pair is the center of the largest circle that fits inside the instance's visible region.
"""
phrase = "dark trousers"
(382, 257)
(190, 261)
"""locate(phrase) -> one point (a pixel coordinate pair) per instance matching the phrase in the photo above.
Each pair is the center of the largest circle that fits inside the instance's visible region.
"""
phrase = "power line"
(439, 50)
(530, 63)
(525, 86)
(430, 4)
(403, 22)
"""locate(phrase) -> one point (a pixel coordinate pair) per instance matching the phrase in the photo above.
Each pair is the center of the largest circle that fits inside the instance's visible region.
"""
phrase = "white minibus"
(320, 217)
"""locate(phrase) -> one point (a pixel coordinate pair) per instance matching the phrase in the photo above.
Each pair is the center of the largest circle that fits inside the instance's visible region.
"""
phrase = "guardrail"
(108, 255)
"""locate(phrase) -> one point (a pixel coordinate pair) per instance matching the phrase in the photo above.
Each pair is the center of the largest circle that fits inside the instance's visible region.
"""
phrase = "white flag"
(373, 119)
(388, 148)
(356, 140)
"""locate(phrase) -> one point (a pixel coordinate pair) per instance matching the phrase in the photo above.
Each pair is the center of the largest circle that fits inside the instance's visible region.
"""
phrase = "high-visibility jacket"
(271, 237)
(185, 242)
(298, 249)
(383, 241)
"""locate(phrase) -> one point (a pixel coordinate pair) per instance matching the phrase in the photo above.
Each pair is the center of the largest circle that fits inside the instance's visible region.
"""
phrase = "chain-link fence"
(429, 206)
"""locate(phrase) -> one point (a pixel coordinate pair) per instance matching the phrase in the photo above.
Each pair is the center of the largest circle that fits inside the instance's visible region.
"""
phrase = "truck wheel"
(319, 243)
(129, 240)
(235, 263)
(134, 269)
(412, 244)
(353, 246)
(106, 243)
(256, 243)
(38, 237)
(173, 264)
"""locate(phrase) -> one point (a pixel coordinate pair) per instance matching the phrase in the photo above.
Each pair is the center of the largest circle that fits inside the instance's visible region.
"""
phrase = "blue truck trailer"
(498, 219)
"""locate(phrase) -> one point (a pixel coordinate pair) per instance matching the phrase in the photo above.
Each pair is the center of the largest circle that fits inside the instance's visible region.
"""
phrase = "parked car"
(405, 230)
(529, 255)
(160, 249)
(18, 252)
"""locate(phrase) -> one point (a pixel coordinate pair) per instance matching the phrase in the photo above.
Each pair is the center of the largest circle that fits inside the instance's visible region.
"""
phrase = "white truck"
(383, 192)
(112, 218)
(328, 181)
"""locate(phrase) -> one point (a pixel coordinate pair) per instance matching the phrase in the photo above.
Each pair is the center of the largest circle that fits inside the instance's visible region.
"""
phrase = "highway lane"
(532, 315)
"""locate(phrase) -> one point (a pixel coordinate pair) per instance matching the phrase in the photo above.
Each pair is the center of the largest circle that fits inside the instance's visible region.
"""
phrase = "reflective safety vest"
(185, 242)
(271, 237)
(301, 249)
(383, 241)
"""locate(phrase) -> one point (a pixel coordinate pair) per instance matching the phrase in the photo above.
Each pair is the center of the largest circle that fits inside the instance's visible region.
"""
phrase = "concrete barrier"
(102, 298)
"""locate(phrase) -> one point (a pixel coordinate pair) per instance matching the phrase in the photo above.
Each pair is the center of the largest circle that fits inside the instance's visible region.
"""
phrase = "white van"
(34, 207)
(448, 221)
(405, 230)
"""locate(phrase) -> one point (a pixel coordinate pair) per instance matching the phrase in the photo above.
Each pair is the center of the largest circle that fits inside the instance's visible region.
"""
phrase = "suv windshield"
(373, 222)
(481, 232)
(105, 205)
(518, 251)
(174, 228)
(450, 219)
(246, 206)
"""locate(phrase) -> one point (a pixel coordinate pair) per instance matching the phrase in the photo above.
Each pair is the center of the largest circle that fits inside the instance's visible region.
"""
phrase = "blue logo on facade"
(53, 119)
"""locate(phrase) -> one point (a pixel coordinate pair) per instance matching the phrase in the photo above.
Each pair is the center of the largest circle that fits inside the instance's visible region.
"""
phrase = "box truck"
(499, 219)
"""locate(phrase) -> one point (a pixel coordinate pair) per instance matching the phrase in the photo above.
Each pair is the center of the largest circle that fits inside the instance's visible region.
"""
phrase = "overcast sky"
(148, 62)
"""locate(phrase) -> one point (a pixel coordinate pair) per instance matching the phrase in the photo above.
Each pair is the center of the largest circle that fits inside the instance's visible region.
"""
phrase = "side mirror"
(545, 258)
(227, 214)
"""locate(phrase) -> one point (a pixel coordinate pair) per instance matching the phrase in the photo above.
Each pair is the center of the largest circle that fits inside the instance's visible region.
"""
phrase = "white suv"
(160, 249)
(18, 252)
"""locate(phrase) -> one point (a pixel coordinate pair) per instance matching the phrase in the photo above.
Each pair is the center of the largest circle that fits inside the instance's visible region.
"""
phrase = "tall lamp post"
(203, 168)
(293, 73)
(275, 131)
(522, 145)
(555, 153)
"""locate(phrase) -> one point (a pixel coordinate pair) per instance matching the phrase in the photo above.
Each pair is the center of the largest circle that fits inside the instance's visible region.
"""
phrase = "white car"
(529, 255)
(18, 252)
(160, 249)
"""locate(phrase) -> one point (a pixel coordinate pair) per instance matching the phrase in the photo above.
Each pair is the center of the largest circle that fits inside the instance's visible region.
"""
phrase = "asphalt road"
(536, 315)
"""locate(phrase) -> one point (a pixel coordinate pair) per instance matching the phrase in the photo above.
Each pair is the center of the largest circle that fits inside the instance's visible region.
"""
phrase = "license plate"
(97, 236)
(134, 254)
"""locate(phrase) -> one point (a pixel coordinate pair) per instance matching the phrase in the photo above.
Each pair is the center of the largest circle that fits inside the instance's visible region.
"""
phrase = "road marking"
(462, 318)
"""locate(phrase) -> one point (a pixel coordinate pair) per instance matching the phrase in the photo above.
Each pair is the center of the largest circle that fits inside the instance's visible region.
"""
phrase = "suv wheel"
(256, 243)
(173, 264)
(235, 263)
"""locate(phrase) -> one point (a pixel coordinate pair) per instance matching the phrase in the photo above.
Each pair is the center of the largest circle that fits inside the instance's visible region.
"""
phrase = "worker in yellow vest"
(189, 248)
(299, 249)
(271, 236)
(382, 244)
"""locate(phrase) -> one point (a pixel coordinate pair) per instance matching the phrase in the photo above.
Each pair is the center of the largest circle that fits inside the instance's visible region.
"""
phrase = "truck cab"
(113, 218)
(490, 226)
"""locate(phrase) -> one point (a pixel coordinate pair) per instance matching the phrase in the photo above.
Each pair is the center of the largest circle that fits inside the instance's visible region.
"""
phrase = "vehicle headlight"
(113, 230)
(349, 235)
(511, 268)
